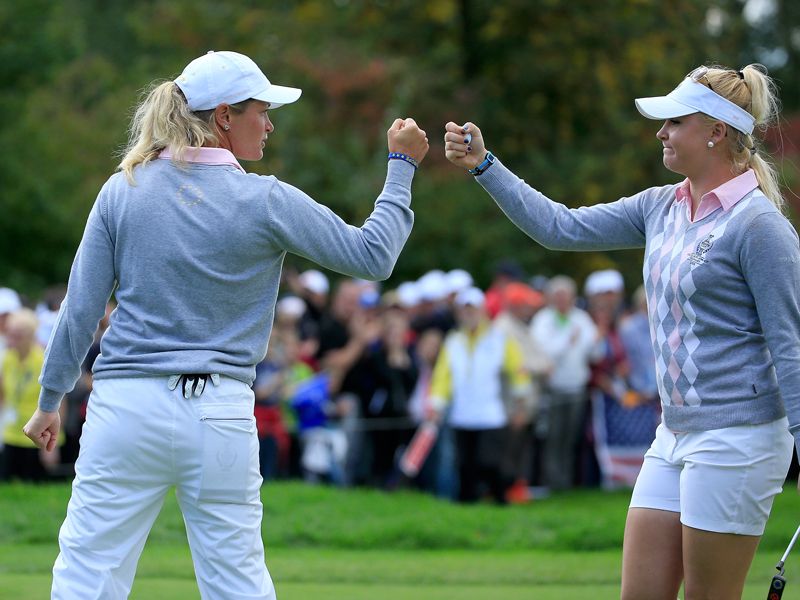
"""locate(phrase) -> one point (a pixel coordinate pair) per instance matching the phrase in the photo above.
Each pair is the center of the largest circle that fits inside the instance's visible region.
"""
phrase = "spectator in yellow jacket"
(480, 372)
(19, 396)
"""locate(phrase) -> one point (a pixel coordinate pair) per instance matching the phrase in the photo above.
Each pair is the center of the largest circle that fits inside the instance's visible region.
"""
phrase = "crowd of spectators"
(500, 394)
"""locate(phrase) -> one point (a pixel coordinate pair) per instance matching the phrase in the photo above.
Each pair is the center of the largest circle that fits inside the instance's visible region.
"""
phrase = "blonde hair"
(25, 320)
(163, 119)
(754, 91)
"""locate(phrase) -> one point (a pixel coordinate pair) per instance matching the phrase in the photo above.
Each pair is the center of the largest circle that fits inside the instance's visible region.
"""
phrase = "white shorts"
(723, 480)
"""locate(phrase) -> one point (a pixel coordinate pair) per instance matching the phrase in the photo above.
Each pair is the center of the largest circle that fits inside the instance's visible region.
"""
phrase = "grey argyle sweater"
(723, 294)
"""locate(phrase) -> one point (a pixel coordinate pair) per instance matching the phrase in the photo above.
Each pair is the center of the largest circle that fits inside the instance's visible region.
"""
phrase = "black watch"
(488, 161)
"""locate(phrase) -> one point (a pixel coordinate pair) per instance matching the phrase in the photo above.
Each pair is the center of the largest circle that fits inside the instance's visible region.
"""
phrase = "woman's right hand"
(407, 138)
(463, 150)
(42, 429)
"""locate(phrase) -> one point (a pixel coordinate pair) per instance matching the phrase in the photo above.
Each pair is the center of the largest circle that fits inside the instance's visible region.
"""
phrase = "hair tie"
(740, 74)
(753, 150)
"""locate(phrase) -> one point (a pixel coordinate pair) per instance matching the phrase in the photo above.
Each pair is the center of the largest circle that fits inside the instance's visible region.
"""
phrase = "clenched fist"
(43, 428)
(463, 145)
(407, 138)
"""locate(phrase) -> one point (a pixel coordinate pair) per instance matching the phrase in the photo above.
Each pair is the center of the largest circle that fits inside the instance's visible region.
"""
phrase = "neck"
(706, 180)
(472, 328)
(222, 140)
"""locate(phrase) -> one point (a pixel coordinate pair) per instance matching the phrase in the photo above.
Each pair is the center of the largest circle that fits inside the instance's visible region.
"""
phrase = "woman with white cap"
(722, 274)
(193, 246)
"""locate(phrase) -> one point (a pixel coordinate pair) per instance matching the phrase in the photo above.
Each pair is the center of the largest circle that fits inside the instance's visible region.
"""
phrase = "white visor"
(692, 96)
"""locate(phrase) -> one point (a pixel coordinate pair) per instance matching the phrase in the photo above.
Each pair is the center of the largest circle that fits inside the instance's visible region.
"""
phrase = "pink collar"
(726, 195)
(206, 156)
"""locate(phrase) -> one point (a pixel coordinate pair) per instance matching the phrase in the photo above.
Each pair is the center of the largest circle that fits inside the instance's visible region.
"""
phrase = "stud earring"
(227, 127)
(710, 144)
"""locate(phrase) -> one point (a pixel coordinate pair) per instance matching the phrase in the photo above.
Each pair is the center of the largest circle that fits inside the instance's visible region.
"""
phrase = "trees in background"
(551, 83)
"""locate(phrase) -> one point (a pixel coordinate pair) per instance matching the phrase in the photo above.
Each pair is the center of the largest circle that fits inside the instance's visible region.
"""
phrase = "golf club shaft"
(789, 549)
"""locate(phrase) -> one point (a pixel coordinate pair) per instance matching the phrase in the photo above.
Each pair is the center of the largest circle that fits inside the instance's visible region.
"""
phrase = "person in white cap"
(722, 275)
(479, 382)
(433, 309)
(193, 246)
(313, 288)
(315, 282)
(457, 281)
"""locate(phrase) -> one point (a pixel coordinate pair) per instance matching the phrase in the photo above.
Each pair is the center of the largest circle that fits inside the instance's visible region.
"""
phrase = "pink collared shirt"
(206, 156)
(726, 195)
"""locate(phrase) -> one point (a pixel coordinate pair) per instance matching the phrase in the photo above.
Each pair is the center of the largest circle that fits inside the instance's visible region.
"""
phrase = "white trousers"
(140, 439)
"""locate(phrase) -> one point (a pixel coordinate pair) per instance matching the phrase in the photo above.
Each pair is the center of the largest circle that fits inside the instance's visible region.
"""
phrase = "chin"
(671, 167)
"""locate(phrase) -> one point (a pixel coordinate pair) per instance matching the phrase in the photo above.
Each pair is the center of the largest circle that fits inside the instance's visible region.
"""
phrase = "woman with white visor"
(194, 246)
(722, 274)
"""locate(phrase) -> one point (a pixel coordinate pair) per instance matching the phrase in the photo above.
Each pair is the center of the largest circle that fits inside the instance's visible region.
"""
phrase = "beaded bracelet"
(405, 157)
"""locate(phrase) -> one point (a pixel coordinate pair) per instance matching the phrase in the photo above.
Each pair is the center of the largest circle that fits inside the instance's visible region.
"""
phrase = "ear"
(718, 132)
(222, 116)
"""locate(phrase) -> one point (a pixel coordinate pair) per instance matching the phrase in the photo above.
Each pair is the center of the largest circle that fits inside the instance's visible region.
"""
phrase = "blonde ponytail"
(753, 90)
(163, 119)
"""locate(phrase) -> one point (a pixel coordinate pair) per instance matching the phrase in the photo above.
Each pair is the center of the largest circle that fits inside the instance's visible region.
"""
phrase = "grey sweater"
(196, 253)
(723, 295)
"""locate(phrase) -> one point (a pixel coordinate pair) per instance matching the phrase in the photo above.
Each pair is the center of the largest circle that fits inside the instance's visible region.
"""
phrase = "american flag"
(622, 434)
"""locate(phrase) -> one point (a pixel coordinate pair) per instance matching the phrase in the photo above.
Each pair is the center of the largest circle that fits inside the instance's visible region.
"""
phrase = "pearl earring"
(710, 144)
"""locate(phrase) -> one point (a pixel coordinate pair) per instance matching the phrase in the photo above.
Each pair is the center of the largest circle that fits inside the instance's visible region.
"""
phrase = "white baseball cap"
(408, 294)
(457, 280)
(227, 78)
(315, 281)
(433, 286)
(604, 281)
(471, 296)
(9, 301)
(290, 306)
(691, 96)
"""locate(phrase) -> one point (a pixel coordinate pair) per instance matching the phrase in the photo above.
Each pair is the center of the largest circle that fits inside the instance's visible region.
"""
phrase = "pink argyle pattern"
(671, 260)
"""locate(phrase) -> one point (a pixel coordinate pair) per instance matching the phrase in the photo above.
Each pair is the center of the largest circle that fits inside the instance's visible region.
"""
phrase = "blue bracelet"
(405, 157)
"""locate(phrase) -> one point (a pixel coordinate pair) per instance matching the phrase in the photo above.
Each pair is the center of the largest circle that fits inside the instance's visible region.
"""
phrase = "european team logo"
(698, 257)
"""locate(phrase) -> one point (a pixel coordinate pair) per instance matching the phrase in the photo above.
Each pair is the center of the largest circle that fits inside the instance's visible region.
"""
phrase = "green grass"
(355, 544)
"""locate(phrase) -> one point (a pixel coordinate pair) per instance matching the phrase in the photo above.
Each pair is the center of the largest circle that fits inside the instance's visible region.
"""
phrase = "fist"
(43, 428)
(407, 138)
(463, 145)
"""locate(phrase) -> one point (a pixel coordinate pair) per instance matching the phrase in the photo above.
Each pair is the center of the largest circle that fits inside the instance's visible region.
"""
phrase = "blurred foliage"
(551, 83)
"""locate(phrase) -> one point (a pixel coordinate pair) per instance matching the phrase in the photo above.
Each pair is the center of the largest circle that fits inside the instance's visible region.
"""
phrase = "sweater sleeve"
(311, 230)
(609, 226)
(770, 259)
(91, 282)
